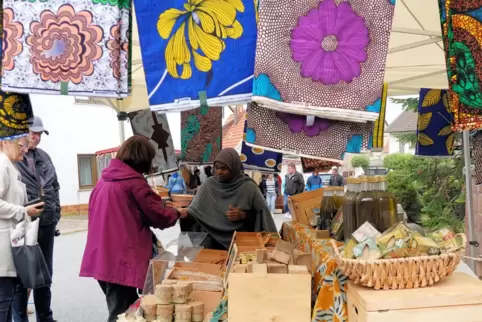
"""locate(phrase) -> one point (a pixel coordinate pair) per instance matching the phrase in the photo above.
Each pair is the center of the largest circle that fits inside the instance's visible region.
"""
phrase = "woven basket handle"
(335, 248)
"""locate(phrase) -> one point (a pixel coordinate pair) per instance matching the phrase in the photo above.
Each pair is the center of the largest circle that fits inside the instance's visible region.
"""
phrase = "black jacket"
(50, 185)
(295, 184)
(337, 181)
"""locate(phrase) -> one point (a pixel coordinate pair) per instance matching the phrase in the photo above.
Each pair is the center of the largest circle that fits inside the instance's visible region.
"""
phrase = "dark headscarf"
(230, 158)
(214, 197)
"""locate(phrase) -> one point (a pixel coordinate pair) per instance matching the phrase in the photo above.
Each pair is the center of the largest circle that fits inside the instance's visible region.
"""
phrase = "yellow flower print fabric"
(190, 46)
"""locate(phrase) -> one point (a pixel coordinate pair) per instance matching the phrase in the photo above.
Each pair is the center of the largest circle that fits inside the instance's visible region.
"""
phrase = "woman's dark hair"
(275, 175)
(137, 152)
(207, 171)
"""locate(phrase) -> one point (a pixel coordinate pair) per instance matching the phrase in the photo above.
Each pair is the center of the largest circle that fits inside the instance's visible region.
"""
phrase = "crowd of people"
(122, 210)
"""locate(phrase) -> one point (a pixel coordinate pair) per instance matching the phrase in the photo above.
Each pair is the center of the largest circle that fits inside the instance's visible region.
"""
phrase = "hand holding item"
(235, 214)
(170, 204)
(182, 212)
(35, 210)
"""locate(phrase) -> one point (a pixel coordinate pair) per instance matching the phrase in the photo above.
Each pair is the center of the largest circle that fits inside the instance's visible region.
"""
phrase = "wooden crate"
(458, 298)
(211, 256)
(269, 297)
(301, 206)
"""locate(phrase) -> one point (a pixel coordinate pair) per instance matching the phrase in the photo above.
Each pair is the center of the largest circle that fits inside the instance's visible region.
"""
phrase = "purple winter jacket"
(122, 206)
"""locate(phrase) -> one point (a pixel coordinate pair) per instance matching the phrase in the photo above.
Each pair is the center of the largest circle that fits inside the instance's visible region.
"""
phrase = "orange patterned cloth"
(329, 284)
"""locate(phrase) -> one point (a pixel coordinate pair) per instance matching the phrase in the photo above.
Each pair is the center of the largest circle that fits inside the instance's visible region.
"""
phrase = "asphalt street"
(76, 299)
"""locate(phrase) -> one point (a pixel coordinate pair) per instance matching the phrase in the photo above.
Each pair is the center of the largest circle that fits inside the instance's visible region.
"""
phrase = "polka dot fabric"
(477, 154)
(275, 57)
(331, 144)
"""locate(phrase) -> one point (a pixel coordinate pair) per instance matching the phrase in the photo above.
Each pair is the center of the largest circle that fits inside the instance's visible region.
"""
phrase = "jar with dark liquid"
(387, 206)
(349, 210)
(366, 204)
(328, 210)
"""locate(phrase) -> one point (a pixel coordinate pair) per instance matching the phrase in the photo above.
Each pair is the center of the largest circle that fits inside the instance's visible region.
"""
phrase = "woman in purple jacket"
(122, 207)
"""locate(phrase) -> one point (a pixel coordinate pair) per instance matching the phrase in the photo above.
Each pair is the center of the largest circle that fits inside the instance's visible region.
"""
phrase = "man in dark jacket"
(294, 184)
(38, 173)
(336, 179)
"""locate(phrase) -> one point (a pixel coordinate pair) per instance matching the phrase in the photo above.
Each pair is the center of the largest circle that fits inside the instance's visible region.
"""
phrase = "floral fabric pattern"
(15, 114)
(70, 48)
(435, 135)
(327, 140)
(11, 46)
(462, 35)
(332, 52)
(201, 133)
(329, 284)
(343, 36)
(193, 46)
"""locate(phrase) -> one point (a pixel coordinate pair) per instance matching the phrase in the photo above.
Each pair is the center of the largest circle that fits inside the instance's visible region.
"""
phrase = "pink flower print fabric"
(322, 57)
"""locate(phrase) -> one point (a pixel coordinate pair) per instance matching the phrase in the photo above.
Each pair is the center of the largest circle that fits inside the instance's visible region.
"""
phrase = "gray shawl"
(214, 197)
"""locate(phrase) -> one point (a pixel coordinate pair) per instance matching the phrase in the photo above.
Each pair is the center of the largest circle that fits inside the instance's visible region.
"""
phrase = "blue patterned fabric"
(193, 46)
(257, 158)
(435, 136)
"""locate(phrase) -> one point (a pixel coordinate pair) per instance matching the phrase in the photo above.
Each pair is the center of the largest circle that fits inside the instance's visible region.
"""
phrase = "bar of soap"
(281, 257)
(261, 256)
(297, 269)
(260, 268)
(240, 268)
(277, 268)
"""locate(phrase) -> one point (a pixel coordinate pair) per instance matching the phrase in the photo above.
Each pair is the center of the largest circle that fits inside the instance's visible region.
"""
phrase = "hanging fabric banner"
(322, 57)
(462, 37)
(477, 155)
(257, 158)
(79, 48)
(155, 127)
(192, 46)
(377, 142)
(435, 135)
(15, 115)
(289, 133)
(201, 133)
(310, 165)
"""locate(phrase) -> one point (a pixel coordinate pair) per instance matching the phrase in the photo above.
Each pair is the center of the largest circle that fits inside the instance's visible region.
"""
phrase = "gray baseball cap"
(38, 126)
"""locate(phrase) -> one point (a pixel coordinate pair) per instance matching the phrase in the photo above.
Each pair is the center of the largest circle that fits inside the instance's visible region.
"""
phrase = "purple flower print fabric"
(325, 54)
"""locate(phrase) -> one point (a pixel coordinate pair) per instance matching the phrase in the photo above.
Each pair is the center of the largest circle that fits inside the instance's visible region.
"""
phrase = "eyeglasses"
(23, 147)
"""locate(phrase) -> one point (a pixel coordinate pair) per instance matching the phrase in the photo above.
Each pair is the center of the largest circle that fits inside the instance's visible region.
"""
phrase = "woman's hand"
(170, 204)
(33, 211)
(182, 212)
(235, 214)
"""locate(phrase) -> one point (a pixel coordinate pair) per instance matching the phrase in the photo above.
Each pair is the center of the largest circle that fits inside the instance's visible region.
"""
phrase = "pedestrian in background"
(314, 182)
(294, 184)
(336, 179)
(13, 196)
(40, 178)
(271, 192)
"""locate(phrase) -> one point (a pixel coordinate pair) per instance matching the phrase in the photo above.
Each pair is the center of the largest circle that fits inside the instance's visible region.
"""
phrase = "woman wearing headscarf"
(228, 202)
(13, 195)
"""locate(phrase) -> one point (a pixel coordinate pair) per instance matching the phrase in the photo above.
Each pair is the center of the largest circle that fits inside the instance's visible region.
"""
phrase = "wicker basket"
(399, 273)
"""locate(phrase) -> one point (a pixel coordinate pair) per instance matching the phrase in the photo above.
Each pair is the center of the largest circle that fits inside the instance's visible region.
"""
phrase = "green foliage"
(408, 104)
(410, 138)
(360, 161)
(437, 185)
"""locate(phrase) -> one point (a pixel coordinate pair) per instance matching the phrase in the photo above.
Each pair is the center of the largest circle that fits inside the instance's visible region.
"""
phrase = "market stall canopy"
(415, 56)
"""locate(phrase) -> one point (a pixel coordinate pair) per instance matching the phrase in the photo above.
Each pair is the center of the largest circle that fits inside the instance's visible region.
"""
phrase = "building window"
(87, 166)
(401, 147)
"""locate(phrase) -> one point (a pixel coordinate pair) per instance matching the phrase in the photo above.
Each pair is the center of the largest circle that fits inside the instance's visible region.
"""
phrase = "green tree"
(430, 190)
(360, 161)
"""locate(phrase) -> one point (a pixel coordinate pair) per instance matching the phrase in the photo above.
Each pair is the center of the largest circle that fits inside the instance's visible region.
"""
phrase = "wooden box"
(211, 256)
(301, 206)
(458, 298)
(269, 297)
(182, 200)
